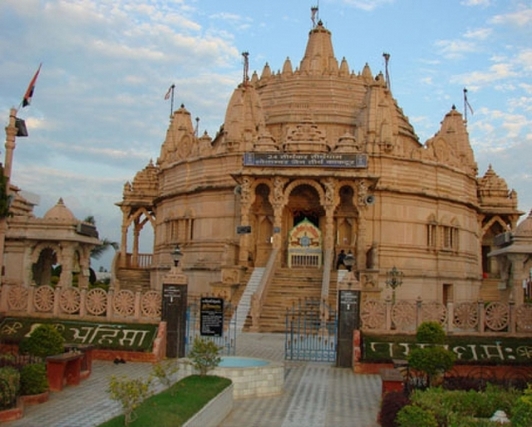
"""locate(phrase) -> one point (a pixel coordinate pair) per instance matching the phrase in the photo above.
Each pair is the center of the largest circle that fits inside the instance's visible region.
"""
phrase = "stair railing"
(257, 299)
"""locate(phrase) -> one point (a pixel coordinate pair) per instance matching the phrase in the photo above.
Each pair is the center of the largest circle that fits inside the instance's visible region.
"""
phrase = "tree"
(98, 251)
(432, 360)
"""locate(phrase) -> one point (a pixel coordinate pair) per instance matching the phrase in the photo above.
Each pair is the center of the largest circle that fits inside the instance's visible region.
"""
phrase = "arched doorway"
(42, 269)
(304, 214)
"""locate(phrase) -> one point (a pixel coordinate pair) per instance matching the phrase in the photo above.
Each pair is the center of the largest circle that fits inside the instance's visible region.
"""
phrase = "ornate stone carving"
(466, 315)
(96, 302)
(497, 316)
(69, 300)
(44, 298)
(124, 303)
(150, 304)
(17, 298)
(373, 314)
(434, 312)
(523, 317)
(404, 315)
(306, 137)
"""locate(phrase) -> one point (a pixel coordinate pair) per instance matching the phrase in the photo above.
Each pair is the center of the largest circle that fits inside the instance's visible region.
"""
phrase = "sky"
(98, 113)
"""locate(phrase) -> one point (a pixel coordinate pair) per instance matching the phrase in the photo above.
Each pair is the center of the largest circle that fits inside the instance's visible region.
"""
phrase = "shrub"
(164, 372)
(204, 355)
(44, 341)
(391, 404)
(9, 386)
(414, 416)
(130, 393)
(522, 411)
(448, 406)
(430, 333)
(431, 361)
(33, 379)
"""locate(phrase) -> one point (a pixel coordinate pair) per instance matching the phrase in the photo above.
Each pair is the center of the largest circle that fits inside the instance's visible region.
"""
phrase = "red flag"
(170, 90)
(29, 92)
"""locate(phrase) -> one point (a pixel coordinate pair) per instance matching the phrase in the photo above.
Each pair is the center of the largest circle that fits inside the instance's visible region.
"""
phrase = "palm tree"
(97, 251)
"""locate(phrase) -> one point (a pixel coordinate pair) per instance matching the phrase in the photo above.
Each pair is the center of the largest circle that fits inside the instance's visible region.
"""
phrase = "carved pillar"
(361, 202)
(519, 273)
(123, 241)
(66, 257)
(136, 233)
(277, 199)
(84, 264)
(331, 201)
(246, 199)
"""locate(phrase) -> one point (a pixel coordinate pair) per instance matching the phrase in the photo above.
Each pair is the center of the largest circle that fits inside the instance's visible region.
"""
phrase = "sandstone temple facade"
(312, 160)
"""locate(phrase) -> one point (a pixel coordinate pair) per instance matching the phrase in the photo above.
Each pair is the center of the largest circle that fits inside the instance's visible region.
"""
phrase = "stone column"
(123, 241)
(66, 258)
(278, 201)
(136, 234)
(246, 199)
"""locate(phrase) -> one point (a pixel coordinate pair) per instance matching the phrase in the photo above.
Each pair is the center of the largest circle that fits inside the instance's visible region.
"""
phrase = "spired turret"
(450, 145)
(181, 141)
(243, 119)
(319, 55)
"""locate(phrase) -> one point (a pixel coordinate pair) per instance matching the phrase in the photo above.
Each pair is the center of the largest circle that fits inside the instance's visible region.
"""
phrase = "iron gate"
(310, 333)
(228, 339)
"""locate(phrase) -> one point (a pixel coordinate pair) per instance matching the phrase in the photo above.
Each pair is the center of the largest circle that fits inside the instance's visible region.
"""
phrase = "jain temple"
(310, 161)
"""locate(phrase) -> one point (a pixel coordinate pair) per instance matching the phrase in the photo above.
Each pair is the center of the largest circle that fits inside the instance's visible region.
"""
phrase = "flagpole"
(465, 105)
(172, 100)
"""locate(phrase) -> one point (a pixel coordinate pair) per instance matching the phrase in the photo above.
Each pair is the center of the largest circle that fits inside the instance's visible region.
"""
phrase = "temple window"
(450, 237)
(432, 235)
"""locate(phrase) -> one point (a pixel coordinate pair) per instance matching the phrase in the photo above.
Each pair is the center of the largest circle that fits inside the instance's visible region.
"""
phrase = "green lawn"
(174, 406)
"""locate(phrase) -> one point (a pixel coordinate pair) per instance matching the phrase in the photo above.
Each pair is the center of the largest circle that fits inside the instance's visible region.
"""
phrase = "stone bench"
(63, 369)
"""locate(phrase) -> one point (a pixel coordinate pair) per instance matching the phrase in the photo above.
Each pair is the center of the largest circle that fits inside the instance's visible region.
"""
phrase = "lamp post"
(349, 261)
(394, 279)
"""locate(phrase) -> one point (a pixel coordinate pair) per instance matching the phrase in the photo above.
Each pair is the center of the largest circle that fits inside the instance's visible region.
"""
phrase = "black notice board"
(212, 317)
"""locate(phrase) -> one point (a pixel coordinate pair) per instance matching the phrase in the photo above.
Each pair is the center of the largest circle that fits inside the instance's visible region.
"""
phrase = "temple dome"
(524, 229)
(60, 211)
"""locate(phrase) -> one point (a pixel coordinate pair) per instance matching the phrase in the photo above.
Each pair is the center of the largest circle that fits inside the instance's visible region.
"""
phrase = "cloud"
(520, 18)
(453, 49)
(476, 2)
(367, 5)
(478, 34)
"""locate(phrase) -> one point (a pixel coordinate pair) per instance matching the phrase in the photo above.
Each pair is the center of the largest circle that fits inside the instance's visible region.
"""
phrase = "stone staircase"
(134, 279)
(244, 301)
(489, 290)
(289, 286)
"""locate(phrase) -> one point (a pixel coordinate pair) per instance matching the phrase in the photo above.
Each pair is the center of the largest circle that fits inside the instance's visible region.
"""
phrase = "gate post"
(348, 319)
(174, 309)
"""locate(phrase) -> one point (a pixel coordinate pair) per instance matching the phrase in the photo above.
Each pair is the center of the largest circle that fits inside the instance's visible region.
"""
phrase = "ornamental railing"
(89, 304)
(469, 317)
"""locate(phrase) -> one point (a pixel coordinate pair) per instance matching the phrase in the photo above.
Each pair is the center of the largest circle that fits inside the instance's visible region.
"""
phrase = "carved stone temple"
(311, 160)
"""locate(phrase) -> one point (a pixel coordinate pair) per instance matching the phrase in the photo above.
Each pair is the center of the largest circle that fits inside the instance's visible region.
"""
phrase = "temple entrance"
(304, 243)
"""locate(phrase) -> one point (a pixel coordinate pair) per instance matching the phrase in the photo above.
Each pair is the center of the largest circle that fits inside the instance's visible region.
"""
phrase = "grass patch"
(175, 405)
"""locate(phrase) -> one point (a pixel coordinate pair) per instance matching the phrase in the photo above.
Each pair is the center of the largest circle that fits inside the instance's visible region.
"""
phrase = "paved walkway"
(316, 394)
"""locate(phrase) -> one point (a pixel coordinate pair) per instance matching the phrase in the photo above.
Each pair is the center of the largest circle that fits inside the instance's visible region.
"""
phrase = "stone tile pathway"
(316, 394)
